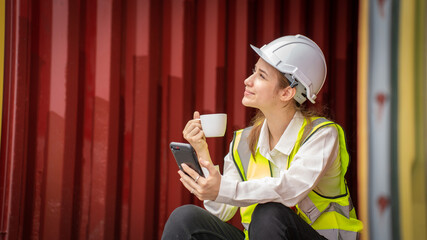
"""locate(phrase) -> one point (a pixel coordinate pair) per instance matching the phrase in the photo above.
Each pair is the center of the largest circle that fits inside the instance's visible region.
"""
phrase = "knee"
(184, 214)
(266, 216)
(265, 213)
(181, 221)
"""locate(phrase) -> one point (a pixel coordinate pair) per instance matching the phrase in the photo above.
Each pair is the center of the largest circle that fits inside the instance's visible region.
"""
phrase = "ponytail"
(257, 121)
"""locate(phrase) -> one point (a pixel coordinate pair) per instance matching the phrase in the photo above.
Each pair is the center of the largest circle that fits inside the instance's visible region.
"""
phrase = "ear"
(287, 93)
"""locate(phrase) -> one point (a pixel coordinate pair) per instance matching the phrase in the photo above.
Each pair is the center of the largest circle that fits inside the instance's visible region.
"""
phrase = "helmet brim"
(264, 56)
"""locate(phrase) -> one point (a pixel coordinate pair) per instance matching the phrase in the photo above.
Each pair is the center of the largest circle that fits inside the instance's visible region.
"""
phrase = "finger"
(200, 134)
(196, 115)
(196, 135)
(187, 126)
(189, 181)
(185, 177)
(191, 125)
(194, 131)
(195, 122)
(188, 187)
(193, 174)
(192, 178)
(208, 165)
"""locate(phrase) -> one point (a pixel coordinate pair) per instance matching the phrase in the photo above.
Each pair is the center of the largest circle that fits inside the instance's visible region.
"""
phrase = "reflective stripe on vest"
(334, 217)
(338, 234)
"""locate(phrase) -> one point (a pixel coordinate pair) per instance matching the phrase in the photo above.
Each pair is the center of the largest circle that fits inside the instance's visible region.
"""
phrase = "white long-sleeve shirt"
(315, 166)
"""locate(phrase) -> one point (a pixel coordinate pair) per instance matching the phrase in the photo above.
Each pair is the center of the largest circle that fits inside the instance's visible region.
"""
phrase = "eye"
(261, 75)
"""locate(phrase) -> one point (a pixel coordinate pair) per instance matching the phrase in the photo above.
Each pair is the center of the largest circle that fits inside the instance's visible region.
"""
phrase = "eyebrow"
(261, 70)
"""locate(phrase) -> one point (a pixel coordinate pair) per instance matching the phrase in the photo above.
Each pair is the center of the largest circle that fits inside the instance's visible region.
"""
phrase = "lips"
(247, 92)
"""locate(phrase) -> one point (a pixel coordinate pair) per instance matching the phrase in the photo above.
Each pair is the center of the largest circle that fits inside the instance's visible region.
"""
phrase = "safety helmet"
(300, 60)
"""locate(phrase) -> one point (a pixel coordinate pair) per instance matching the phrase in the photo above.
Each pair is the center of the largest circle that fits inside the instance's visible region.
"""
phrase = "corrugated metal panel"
(3, 167)
(95, 91)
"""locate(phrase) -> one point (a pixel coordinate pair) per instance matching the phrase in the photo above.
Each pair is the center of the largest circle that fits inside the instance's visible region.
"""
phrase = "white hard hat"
(300, 60)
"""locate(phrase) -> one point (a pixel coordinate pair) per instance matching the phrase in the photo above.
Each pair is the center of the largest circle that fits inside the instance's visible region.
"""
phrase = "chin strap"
(300, 95)
(293, 82)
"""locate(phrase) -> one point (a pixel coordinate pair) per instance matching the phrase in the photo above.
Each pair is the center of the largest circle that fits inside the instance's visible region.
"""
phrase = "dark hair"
(259, 117)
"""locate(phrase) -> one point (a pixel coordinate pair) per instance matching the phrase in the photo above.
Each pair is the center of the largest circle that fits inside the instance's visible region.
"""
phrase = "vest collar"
(287, 140)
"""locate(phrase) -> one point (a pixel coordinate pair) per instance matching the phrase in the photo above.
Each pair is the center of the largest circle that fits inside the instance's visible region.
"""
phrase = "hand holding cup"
(200, 127)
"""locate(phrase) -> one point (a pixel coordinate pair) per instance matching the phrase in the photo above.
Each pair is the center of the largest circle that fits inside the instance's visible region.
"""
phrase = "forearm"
(243, 194)
(204, 154)
(293, 184)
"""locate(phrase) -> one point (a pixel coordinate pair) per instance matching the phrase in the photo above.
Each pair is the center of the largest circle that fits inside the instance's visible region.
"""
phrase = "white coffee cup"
(214, 125)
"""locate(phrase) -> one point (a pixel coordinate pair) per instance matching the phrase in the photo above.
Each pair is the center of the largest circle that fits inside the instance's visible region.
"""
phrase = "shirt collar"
(286, 141)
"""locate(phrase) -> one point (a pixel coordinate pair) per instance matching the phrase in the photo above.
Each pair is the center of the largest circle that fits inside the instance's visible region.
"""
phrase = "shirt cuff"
(227, 190)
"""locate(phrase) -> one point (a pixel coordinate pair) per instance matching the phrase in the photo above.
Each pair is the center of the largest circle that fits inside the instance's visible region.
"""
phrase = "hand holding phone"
(184, 153)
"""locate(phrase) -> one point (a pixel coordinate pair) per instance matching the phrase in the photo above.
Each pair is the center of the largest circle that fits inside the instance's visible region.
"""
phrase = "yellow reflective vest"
(332, 216)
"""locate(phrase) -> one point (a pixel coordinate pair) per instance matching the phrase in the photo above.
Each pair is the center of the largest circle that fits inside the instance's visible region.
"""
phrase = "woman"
(286, 172)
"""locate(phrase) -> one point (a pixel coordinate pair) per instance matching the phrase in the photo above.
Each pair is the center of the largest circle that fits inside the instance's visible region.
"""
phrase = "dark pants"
(269, 221)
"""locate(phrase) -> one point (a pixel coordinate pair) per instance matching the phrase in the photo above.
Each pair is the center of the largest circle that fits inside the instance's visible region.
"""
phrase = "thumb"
(196, 115)
(208, 165)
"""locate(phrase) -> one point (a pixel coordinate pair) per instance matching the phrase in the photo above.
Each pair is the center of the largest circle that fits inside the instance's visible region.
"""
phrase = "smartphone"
(184, 153)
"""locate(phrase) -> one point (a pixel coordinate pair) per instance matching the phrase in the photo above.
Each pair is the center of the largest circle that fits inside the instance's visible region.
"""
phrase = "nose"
(249, 81)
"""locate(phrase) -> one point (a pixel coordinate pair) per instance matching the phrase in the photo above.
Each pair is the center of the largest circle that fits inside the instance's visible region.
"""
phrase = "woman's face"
(262, 87)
